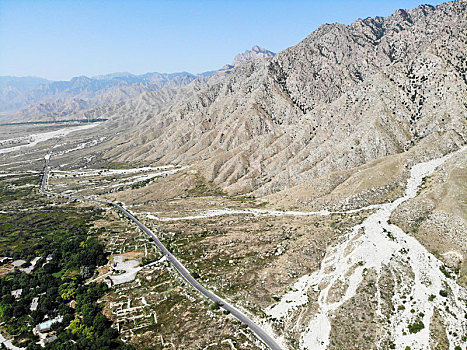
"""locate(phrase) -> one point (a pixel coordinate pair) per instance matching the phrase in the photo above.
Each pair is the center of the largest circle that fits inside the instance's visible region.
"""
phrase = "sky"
(59, 39)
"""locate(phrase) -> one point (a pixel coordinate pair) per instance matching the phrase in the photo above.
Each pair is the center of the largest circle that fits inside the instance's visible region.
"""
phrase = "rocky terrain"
(254, 53)
(334, 122)
(30, 98)
(12, 87)
(321, 189)
(344, 96)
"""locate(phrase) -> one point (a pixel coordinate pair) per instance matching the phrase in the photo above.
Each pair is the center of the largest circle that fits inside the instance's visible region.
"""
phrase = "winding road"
(258, 331)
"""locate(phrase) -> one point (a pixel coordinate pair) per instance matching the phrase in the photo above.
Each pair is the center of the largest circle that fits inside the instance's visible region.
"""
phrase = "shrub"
(445, 271)
(416, 327)
(216, 306)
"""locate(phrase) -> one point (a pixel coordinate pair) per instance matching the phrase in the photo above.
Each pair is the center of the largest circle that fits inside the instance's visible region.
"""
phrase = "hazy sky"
(61, 39)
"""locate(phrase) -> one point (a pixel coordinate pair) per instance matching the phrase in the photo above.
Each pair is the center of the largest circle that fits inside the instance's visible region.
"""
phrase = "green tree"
(100, 324)
(67, 291)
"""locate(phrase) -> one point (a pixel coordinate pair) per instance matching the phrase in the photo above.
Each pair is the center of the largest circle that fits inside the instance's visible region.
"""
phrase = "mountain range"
(32, 97)
(332, 172)
(344, 96)
(23, 98)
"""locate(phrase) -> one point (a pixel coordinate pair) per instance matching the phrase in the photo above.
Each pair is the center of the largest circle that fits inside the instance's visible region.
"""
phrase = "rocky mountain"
(14, 89)
(23, 99)
(49, 100)
(331, 178)
(254, 53)
(344, 96)
(21, 83)
(335, 123)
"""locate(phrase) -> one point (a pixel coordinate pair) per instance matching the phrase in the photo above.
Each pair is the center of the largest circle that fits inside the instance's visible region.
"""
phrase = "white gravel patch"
(34, 139)
(130, 268)
(32, 266)
(8, 344)
(80, 146)
(18, 263)
(375, 249)
(255, 212)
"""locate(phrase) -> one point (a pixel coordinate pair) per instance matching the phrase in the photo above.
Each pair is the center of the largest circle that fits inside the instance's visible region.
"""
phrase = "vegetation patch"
(51, 299)
(416, 327)
(204, 188)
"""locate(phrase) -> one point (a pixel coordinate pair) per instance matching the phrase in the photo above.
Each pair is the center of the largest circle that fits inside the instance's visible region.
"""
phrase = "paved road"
(258, 331)
(8, 344)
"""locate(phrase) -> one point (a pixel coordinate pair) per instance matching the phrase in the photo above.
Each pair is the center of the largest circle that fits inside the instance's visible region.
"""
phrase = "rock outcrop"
(255, 53)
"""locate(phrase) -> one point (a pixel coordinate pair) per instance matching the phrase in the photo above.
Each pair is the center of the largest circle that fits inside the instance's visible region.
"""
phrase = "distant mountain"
(254, 53)
(23, 98)
(21, 83)
(14, 91)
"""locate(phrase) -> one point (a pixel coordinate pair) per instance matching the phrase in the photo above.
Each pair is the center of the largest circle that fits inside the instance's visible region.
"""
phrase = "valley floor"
(321, 279)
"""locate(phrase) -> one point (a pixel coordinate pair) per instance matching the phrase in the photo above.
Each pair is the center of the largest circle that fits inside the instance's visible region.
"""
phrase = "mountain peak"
(255, 52)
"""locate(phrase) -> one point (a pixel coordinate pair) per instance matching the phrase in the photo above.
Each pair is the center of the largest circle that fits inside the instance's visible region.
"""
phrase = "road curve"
(258, 331)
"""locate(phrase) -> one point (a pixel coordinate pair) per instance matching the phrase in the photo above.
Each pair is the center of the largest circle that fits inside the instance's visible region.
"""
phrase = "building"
(34, 304)
(45, 326)
(17, 293)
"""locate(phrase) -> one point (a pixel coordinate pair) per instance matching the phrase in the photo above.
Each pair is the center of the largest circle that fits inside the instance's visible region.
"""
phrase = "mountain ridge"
(236, 123)
(56, 98)
(44, 99)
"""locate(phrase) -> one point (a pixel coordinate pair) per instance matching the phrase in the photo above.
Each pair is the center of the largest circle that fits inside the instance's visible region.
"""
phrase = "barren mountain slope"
(351, 146)
(437, 217)
(14, 89)
(344, 96)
